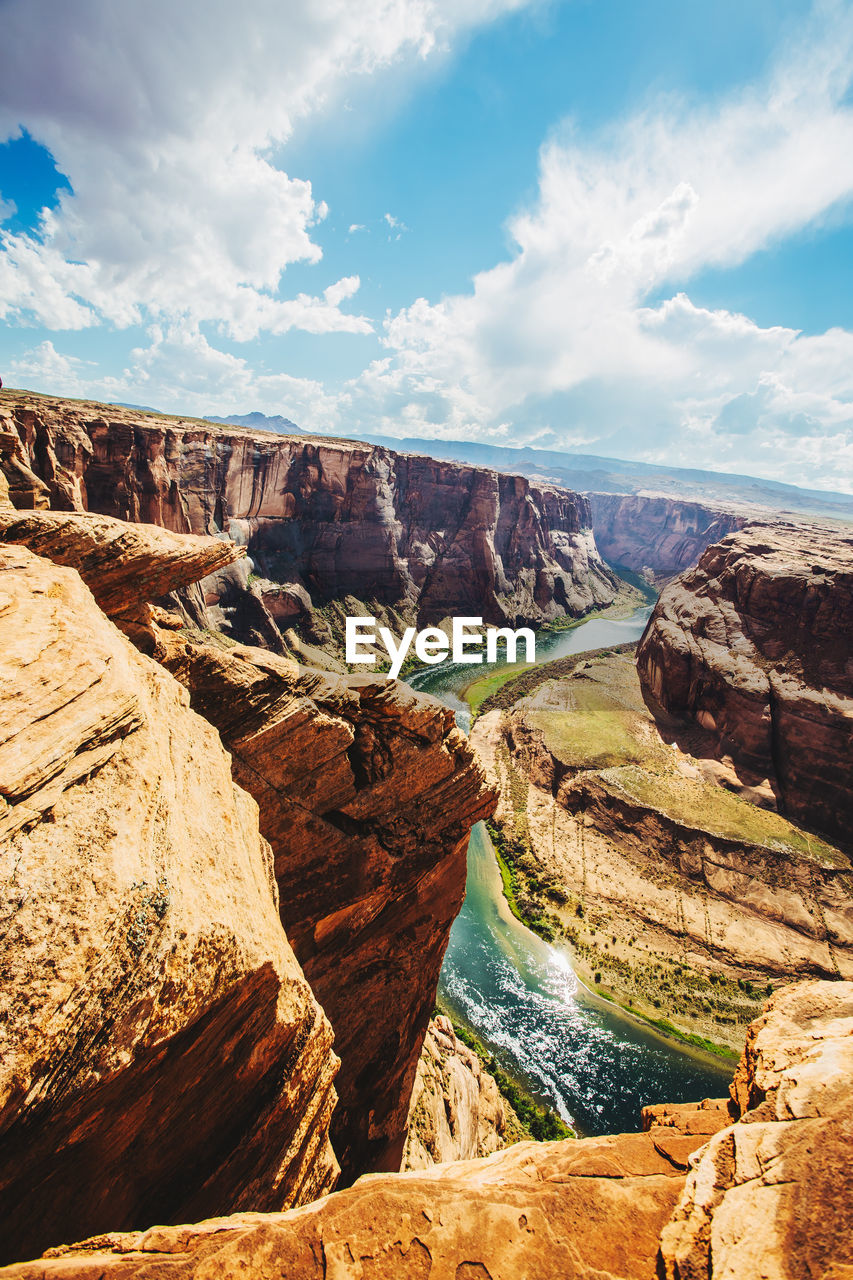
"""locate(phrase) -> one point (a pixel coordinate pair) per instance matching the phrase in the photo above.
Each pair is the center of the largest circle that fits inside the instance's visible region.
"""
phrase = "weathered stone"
(457, 1111)
(367, 793)
(754, 647)
(162, 1054)
(772, 1195)
(123, 565)
(578, 1210)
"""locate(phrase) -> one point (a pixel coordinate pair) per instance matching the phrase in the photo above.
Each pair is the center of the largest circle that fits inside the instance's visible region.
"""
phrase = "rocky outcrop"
(367, 793)
(325, 518)
(125, 566)
(370, 882)
(693, 1195)
(457, 1111)
(582, 1210)
(163, 1056)
(664, 535)
(773, 1194)
(753, 646)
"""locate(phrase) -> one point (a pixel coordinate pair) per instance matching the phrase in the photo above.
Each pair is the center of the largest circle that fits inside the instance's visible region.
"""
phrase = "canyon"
(329, 525)
(229, 878)
(144, 899)
(751, 649)
(681, 822)
(678, 898)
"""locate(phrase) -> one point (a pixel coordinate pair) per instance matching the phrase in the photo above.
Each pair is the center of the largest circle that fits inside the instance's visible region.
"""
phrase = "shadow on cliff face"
(78, 1166)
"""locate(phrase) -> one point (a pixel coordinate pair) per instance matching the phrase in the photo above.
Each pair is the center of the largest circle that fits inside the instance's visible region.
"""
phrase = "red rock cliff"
(326, 517)
(666, 535)
(162, 1054)
(754, 645)
(367, 793)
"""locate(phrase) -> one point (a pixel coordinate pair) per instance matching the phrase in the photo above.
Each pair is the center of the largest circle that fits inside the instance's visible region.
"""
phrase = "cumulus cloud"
(561, 341)
(166, 120)
(180, 371)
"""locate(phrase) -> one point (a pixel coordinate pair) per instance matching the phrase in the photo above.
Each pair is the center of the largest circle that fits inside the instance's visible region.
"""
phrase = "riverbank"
(485, 687)
(535, 909)
(676, 899)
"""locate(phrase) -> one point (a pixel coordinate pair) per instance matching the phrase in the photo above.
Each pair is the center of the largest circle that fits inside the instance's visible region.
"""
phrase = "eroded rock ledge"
(693, 1195)
(753, 645)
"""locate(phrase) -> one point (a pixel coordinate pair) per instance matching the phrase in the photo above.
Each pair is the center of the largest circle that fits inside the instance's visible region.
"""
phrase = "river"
(595, 1065)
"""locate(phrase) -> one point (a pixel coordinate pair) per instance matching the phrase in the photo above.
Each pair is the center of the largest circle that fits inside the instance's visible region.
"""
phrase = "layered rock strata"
(753, 646)
(456, 1111)
(773, 1194)
(367, 793)
(124, 565)
(582, 1210)
(677, 896)
(163, 1056)
(321, 519)
(664, 535)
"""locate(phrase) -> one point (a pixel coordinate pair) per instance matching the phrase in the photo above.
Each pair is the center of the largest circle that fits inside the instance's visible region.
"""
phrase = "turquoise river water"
(595, 1065)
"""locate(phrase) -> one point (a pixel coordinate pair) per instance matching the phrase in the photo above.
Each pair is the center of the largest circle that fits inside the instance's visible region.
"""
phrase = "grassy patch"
(712, 808)
(476, 693)
(589, 739)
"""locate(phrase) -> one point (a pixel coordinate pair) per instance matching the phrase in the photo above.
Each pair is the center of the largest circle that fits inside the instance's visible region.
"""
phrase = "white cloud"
(8, 209)
(165, 119)
(46, 367)
(179, 371)
(560, 338)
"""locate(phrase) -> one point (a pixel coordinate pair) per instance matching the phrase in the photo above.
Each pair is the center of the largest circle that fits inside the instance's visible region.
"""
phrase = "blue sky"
(592, 225)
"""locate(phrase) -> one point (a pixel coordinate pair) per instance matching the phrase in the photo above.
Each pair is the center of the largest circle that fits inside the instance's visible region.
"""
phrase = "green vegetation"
(711, 808)
(538, 1121)
(523, 684)
(521, 888)
(588, 739)
(476, 693)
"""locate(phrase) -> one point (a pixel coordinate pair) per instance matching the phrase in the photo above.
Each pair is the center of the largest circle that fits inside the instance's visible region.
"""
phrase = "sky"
(589, 225)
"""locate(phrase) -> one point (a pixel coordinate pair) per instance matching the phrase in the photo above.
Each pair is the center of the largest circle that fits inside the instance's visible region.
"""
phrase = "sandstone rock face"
(773, 1195)
(666, 535)
(326, 517)
(754, 646)
(124, 565)
(367, 793)
(162, 1055)
(457, 1111)
(580, 1210)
